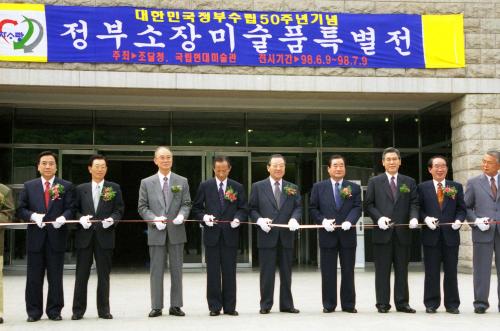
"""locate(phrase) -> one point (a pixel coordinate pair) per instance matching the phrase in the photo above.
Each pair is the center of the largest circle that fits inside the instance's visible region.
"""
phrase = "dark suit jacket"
(379, 202)
(31, 200)
(322, 205)
(207, 202)
(453, 209)
(263, 204)
(85, 206)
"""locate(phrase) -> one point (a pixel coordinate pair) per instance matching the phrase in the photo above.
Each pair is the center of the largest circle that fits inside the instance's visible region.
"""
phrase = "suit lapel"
(328, 192)
(155, 182)
(269, 192)
(87, 191)
(445, 198)
(486, 186)
(387, 188)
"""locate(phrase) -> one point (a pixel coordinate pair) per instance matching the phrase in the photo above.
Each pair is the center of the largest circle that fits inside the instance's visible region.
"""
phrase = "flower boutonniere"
(290, 190)
(346, 192)
(450, 192)
(404, 189)
(176, 188)
(231, 195)
(56, 192)
(108, 193)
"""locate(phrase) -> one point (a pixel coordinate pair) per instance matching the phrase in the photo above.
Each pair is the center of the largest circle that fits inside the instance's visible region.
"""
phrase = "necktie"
(97, 196)
(165, 191)
(221, 193)
(493, 188)
(277, 193)
(47, 194)
(393, 187)
(440, 195)
(338, 200)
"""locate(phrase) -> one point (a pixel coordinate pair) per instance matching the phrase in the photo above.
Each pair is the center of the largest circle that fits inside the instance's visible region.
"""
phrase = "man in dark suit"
(221, 199)
(7, 210)
(441, 200)
(482, 199)
(275, 201)
(99, 200)
(392, 199)
(336, 202)
(45, 199)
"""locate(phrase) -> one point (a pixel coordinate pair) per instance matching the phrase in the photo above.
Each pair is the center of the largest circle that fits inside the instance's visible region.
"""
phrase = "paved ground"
(130, 305)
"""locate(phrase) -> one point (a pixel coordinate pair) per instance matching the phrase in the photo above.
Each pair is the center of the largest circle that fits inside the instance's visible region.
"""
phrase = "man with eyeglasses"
(275, 201)
(392, 199)
(483, 208)
(47, 198)
(441, 201)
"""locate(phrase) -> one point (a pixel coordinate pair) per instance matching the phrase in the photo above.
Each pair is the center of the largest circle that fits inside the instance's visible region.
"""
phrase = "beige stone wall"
(482, 34)
(475, 121)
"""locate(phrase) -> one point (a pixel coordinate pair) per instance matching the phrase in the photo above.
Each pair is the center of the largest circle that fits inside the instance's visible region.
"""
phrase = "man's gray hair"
(495, 154)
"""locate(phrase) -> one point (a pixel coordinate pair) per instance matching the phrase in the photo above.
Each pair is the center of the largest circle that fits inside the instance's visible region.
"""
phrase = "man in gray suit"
(164, 197)
(483, 205)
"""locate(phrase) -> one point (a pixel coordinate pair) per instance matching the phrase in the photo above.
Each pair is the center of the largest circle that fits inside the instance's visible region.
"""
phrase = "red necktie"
(47, 195)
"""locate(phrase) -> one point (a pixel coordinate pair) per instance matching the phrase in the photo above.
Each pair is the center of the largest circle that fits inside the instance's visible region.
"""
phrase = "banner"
(46, 33)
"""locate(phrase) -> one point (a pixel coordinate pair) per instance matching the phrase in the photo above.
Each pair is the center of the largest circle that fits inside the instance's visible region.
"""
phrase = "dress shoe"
(232, 313)
(106, 316)
(453, 310)
(155, 313)
(429, 310)
(264, 311)
(76, 317)
(32, 319)
(350, 310)
(176, 311)
(214, 313)
(480, 310)
(328, 310)
(383, 310)
(55, 318)
(290, 310)
(406, 309)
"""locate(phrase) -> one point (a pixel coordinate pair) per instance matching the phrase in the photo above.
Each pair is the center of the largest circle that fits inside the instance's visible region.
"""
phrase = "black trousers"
(387, 255)
(38, 262)
(221, 276)
(328, 266)
(433, 257)
(268, 258)
(84, 258)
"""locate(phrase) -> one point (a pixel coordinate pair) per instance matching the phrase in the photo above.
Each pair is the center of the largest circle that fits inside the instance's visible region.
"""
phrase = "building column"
(475, 123)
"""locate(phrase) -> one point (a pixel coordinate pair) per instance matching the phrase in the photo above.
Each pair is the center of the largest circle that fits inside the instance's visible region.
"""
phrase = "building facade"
(125, 110)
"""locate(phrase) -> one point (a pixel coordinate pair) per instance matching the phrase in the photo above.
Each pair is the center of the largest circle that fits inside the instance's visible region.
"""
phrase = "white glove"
(38, 219)
(413, 223)
(59, 222)
(159, 222)
(107, 222)
(264, 224)
(293, 225)
(84, 221)
(178, 220)
(235, 223)
(346, 225)
(383, 223)
(328, 225)
(431, 222)
(209, 220)
(456, 225)
(482, 223)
